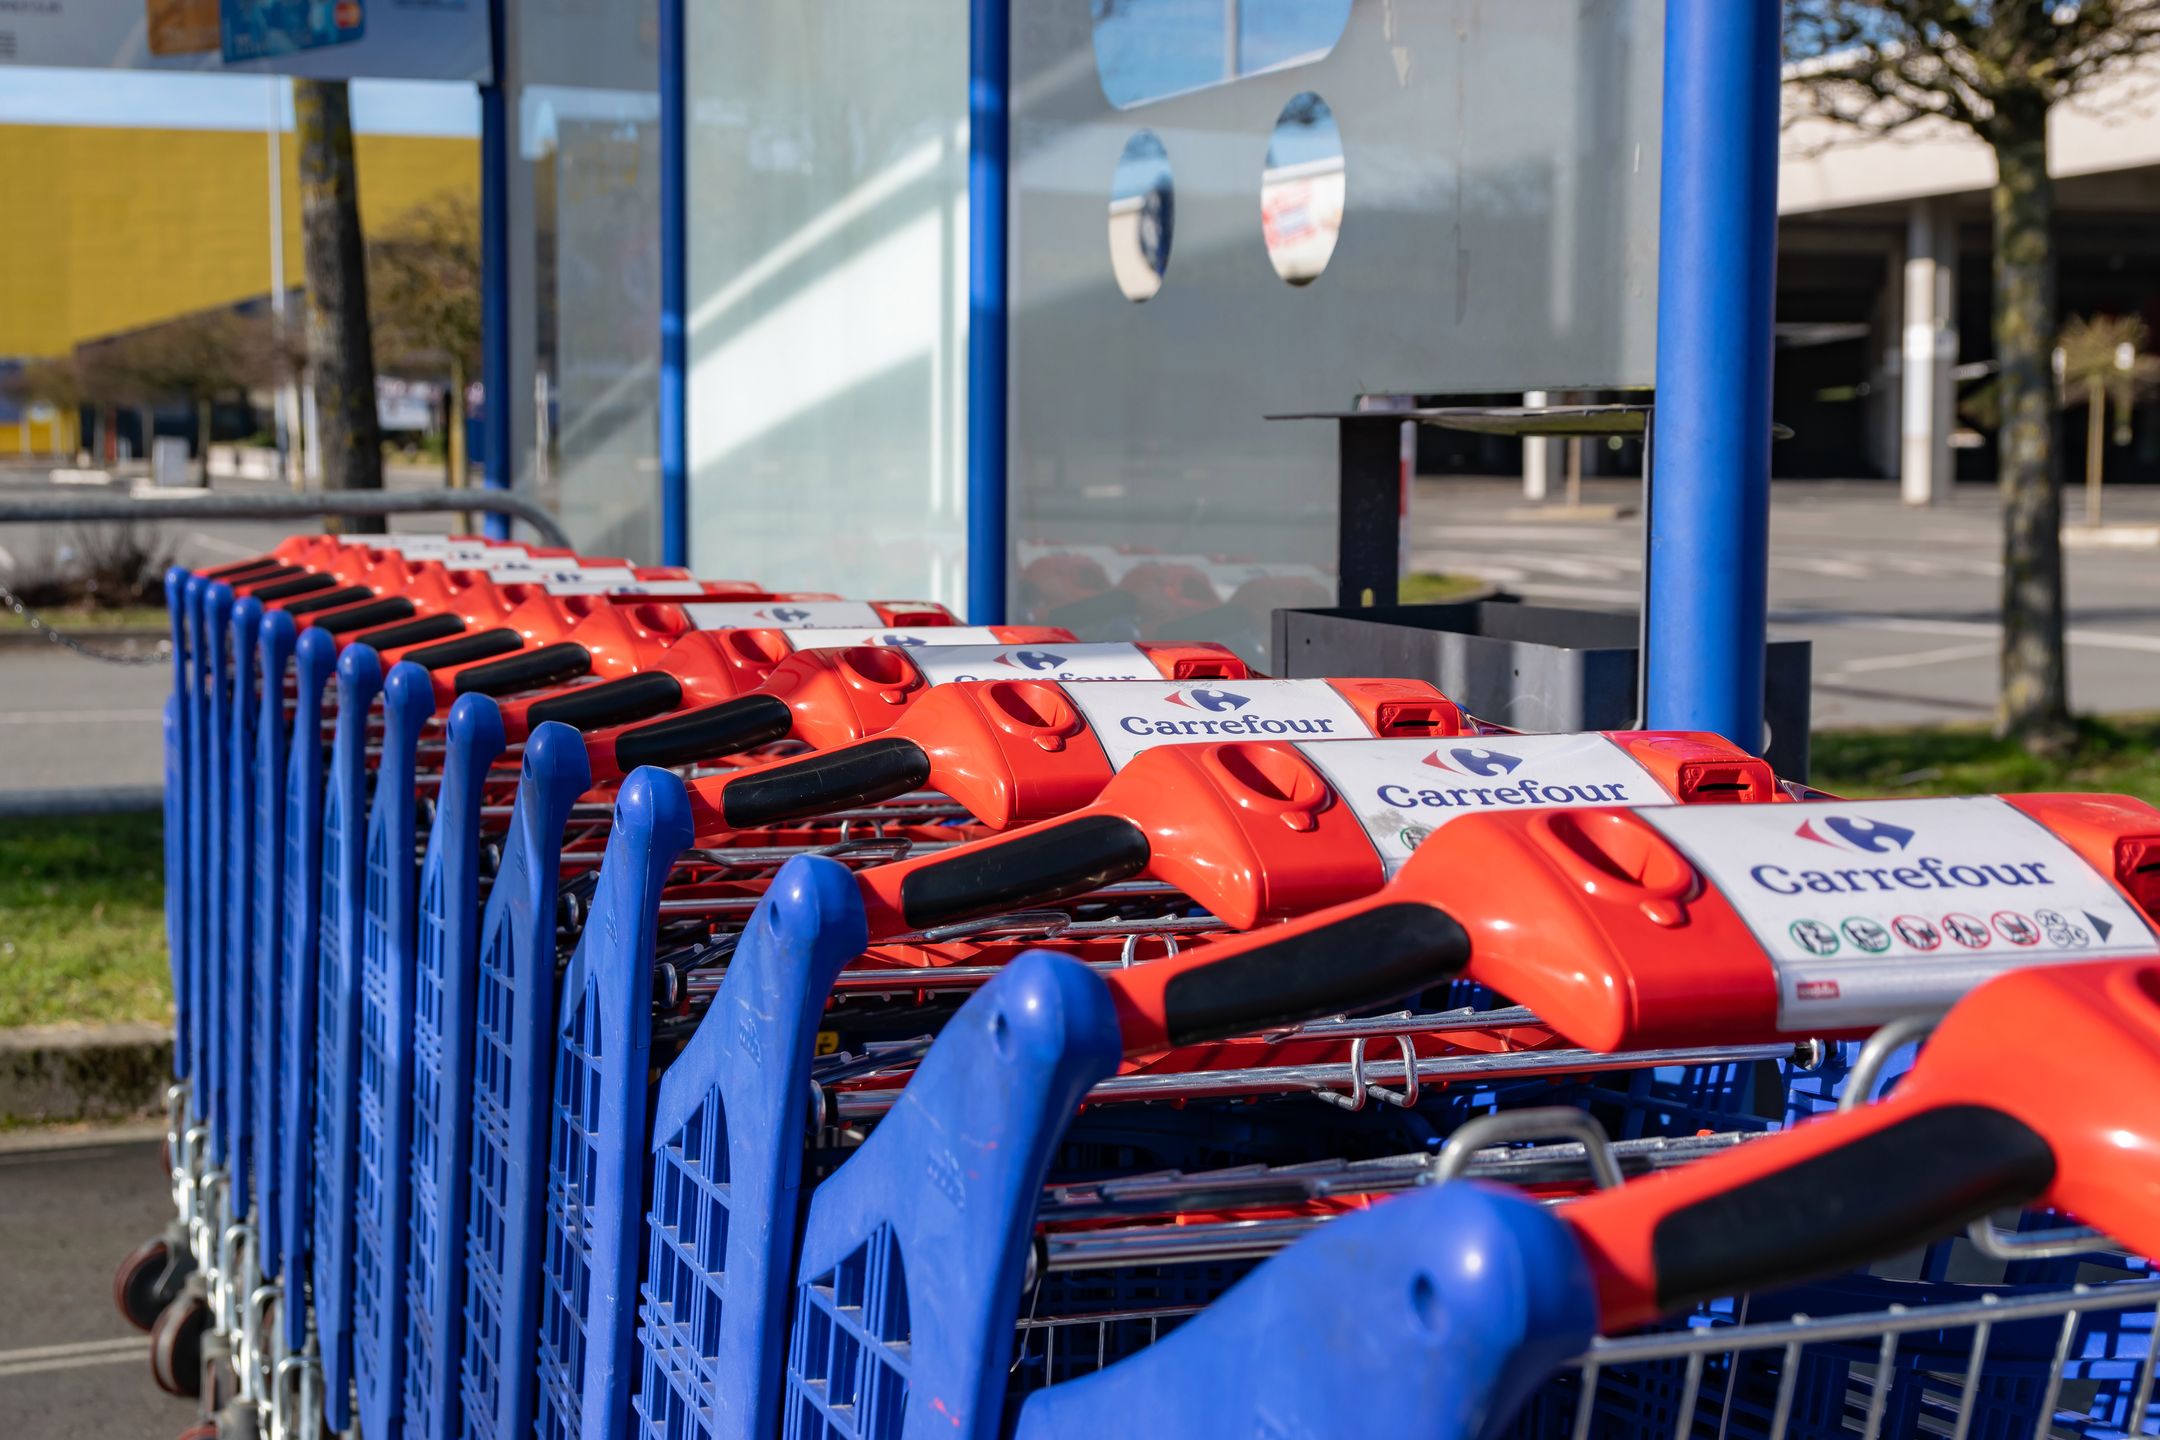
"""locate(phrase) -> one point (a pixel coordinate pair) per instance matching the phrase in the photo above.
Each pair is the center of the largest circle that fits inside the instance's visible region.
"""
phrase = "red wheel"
(205, 1431)
(146, 1282)
(176, 1345)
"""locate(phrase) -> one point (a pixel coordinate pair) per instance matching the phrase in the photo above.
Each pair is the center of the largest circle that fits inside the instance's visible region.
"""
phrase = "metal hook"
(1867, 1066)
(1129, 951)
(1544, 1123)
(1361, 1084)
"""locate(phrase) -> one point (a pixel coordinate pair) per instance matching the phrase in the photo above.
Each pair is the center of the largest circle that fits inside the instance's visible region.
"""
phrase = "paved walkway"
(70, 1367)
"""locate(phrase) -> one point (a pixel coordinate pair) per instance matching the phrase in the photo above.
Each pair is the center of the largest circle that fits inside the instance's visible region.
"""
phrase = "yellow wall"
(104, 230)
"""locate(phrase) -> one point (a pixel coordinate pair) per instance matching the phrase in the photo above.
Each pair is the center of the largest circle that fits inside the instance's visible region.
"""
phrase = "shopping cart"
(882, 1345)
(753, 1043)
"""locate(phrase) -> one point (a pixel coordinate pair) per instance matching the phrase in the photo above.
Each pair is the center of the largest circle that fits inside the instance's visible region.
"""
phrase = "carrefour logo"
(1486, 765)
(1854, 832)
(1901, 870)
(1223, 722)
(1214, 701)
(897, 639)
(785, 614)
(1472, 761)
(1032, 660)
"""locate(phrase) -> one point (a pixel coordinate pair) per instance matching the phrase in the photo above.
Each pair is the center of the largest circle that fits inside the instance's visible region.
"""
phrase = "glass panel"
(1151, 49)
(1497, 234)
(828, 294)
(589, 129)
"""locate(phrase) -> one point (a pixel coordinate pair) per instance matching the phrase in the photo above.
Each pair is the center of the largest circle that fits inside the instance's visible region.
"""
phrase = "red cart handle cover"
(2000, 1110)
(1253, 832)
(1015, 751)
(1620, 928)
(827, 697)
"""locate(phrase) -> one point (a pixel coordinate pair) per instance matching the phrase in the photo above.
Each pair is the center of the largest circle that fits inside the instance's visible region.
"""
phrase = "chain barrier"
(159, 652)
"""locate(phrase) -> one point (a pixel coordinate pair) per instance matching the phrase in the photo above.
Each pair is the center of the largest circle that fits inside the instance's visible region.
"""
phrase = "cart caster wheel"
(237, 1422)
(146, 1282)
(176, 1345)
(207, 1430)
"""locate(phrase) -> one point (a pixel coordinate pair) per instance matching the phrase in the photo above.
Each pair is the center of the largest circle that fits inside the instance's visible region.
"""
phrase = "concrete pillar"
(1541, 458)
(1929, 408)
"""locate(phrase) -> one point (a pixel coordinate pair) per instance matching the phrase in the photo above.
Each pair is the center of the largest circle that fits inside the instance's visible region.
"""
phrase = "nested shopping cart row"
(490, 1280)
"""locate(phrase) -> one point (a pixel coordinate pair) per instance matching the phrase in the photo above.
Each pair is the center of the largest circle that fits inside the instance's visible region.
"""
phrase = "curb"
(106, 800)
(66, 1073)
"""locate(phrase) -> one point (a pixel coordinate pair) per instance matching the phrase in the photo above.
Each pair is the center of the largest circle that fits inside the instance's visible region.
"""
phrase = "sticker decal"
(1131, 716)
(1402, 789)
(1101, 660)
(833, 637)
(1960, 888)
(782, 614)
(607, 585)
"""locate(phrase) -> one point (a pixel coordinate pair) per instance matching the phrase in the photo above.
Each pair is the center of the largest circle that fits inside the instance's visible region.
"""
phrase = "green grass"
(82, 920)
(1427, 587)
(72, 619)
(2121, 754)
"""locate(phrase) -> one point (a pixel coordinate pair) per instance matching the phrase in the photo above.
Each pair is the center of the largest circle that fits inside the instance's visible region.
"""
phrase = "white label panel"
(1131, 716)
(1874, 909)
(782, 614)
(557, 572)
(1058, 660)
(1401, 789)
(839, 638)
(452, 550)
(614, 582)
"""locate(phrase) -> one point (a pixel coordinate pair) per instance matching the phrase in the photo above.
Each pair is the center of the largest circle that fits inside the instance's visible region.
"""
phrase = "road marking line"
(1816, 565)
(135, 1356)
(1916, 657)
(1845, 620)
(129, 1344)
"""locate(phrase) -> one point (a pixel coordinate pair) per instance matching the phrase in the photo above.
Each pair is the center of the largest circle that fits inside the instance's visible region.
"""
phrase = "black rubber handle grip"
(467, 648)
(417, 632)
(329, 599)
(367, 617)
(291, 586)
(250, 572)
(612, 702)
(1371, 958)
(1032, 867)
(863, 774)
(727, 728)
(1872, 1197)
(548, 665)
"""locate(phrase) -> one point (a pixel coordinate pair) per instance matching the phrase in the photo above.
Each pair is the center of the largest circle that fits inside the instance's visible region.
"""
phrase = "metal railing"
(46, 509)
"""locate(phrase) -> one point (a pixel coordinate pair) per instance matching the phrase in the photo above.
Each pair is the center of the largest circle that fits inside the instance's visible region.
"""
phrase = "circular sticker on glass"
(1866, 935)
(1916, 932)
(1967, 931)
(2015, 928)
(1815, 937)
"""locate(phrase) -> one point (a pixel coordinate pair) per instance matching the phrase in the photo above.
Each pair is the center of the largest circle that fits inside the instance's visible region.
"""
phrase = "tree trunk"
(340, 351)
(454, 437)
(2033, 703)
(203, 412)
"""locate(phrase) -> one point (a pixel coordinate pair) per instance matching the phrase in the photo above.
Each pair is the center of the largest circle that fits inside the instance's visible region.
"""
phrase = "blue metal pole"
(674, 291)
(496, 468)
(989, 79)
(1707, 588)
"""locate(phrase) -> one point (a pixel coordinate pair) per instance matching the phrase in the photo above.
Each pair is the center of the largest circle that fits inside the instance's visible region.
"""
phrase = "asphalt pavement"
(70, 1367)
(1901, 604)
